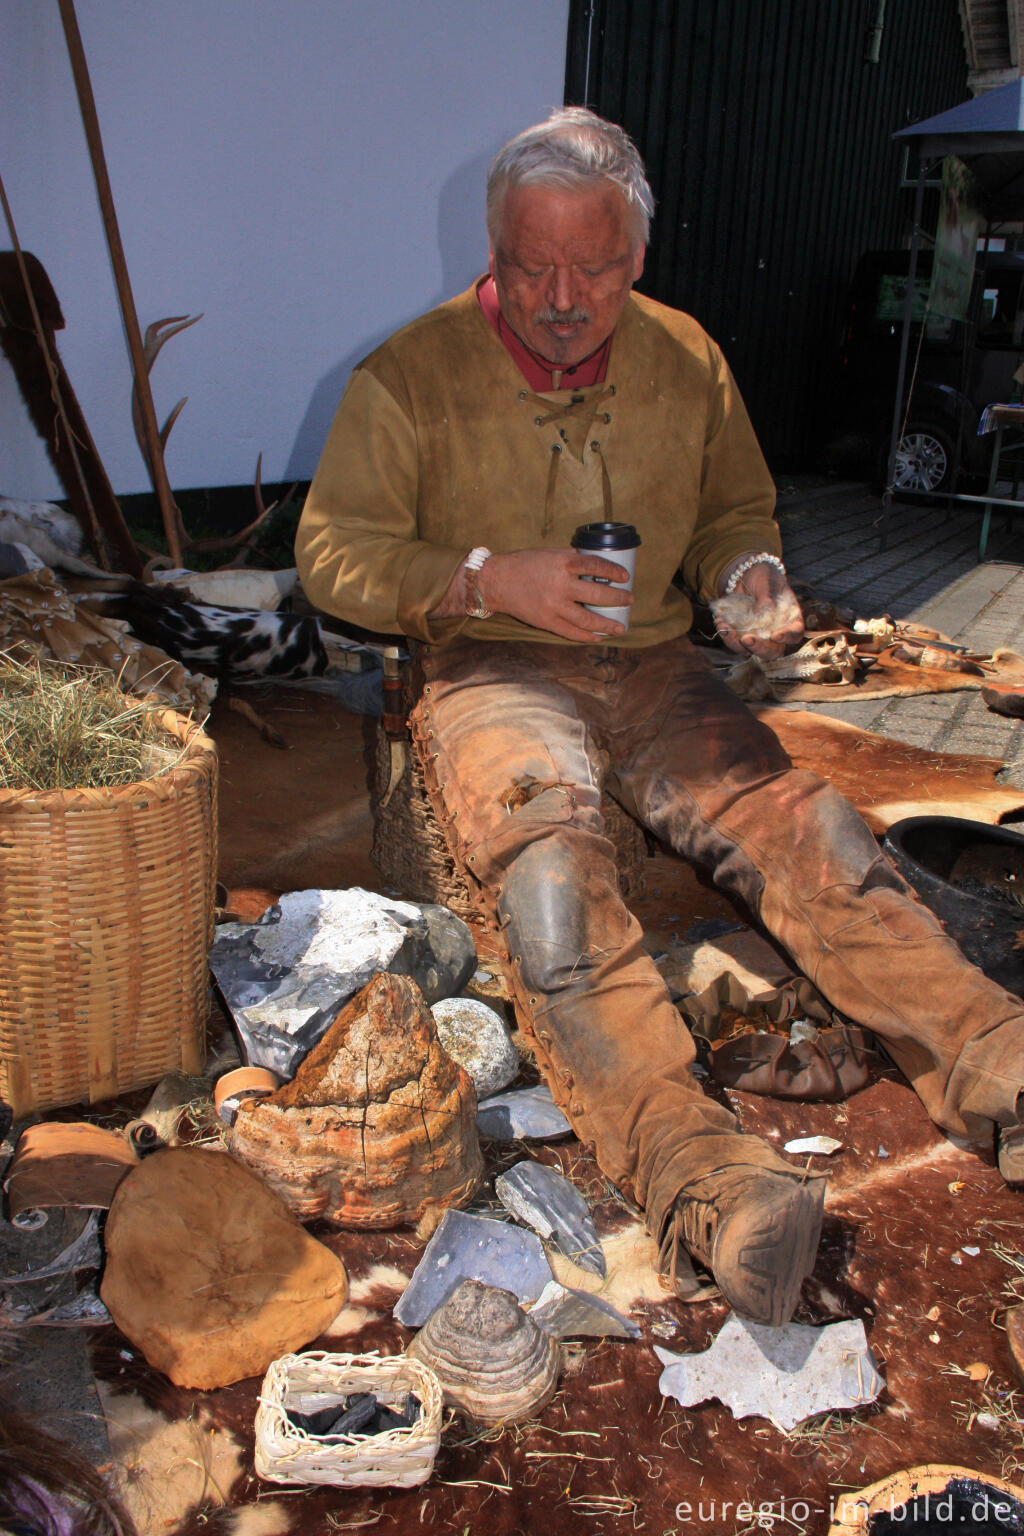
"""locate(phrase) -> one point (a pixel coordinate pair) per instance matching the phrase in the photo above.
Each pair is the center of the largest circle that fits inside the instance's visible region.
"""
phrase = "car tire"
(924, 461)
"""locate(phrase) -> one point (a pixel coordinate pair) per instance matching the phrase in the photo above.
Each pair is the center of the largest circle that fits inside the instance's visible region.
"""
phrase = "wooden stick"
(173, 528)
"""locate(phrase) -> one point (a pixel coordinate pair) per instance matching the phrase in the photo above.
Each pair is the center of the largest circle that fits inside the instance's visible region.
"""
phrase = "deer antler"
(243, 541)
(156, 334)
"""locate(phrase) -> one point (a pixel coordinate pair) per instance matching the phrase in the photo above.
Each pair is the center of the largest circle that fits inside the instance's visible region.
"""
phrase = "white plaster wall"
(308, 173)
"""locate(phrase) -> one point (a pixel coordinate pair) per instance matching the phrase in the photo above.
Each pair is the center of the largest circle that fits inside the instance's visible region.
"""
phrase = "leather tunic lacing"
(576, 419)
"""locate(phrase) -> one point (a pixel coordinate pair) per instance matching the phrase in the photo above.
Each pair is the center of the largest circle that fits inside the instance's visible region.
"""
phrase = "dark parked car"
(953, 371)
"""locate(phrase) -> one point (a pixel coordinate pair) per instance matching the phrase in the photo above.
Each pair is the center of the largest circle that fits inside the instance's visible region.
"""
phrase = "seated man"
(464, 454)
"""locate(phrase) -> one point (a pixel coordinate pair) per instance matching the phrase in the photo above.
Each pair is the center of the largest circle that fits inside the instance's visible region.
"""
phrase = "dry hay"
(72, 727)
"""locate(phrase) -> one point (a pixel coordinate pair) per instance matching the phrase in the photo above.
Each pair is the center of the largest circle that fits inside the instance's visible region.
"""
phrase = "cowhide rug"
(887, 780)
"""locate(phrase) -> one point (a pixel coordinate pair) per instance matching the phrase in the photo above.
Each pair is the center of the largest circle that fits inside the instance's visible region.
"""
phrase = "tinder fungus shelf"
(492, 1361)
(377, 1126)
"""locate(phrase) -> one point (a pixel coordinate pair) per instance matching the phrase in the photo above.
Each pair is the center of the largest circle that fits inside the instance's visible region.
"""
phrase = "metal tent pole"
(901, 376)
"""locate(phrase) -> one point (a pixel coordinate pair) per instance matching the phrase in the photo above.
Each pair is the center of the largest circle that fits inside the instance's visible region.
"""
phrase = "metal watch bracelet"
(473, 563)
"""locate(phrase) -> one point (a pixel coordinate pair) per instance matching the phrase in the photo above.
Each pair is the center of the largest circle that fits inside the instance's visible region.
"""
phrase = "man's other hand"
(774, 617)
(547, 587)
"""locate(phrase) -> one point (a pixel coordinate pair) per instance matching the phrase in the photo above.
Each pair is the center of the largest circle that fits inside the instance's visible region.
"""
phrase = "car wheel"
(924, 460)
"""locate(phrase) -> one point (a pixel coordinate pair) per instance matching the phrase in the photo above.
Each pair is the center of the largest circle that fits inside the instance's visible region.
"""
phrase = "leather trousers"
(517, 743)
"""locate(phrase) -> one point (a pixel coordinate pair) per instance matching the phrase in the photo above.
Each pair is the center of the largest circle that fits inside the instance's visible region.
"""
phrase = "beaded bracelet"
(745, 565)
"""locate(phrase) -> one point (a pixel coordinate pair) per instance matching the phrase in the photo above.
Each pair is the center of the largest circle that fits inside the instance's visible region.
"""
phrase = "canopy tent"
(987, 134)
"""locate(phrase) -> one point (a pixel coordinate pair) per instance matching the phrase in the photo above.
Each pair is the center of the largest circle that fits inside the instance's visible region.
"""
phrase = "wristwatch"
(474, 562)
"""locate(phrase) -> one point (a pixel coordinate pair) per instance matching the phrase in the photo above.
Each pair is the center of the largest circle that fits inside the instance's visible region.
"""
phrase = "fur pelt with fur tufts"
(47, 1489)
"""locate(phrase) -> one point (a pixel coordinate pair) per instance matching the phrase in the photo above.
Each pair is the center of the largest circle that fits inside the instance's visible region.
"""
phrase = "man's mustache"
(562, 317)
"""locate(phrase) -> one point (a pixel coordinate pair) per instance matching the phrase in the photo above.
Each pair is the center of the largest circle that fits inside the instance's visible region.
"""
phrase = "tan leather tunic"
(438, 445)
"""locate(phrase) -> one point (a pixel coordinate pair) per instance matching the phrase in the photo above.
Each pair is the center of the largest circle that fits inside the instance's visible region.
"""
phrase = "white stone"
(784, 1375)
(478, 1039)
(817, 1146)
(345, 930)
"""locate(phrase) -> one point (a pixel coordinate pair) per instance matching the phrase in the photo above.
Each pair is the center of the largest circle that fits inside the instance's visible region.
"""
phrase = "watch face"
(478, 610)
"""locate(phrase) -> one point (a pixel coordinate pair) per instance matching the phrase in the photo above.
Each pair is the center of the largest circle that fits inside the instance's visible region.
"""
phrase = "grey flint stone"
(528, 1114)
(477, 1037)
(567, 1314)
(541, 1198)
(785, 1374)
(83, 1310)
(473, 1248)
(286, 977)
(84, 1252)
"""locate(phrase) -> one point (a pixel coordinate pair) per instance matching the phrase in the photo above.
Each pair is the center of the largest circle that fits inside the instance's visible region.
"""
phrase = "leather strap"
(248, 1080)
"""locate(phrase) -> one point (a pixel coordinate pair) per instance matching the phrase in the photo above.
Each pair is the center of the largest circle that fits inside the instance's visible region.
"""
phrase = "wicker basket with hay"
(107, 869)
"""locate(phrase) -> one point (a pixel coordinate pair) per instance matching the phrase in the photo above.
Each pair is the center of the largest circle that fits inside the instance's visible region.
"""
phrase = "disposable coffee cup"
(617, 542)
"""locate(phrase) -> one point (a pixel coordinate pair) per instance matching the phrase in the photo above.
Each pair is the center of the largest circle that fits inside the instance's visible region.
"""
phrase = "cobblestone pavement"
(928, 572)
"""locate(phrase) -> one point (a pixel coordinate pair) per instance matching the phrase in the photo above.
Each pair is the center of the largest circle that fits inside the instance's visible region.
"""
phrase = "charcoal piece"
(361, 1410)
(363, 1414)
(316, 1423)
(384, 1419)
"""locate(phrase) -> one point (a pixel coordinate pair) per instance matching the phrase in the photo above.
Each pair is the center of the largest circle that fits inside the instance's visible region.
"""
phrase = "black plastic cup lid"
(605, 536)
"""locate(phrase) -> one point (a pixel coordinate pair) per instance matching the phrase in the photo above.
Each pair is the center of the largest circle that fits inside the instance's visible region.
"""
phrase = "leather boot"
(755, 1229)
(1010, 1152)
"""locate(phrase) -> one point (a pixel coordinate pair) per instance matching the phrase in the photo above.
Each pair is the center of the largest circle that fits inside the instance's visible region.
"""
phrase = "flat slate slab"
(473, 1248)
(543, 1199)
(525, 1114)
(784, 1375)
(566, 1313)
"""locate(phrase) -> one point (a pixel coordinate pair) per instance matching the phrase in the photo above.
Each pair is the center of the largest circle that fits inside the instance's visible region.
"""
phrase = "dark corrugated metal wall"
(767, 137)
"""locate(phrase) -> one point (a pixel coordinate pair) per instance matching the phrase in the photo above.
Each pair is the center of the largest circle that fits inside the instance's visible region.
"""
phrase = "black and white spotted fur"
(239, 644)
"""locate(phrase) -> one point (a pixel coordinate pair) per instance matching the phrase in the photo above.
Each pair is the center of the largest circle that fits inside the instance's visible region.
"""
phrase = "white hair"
(573, 148)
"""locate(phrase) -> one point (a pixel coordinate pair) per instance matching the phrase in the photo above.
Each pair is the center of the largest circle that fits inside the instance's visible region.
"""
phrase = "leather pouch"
(825, 1060)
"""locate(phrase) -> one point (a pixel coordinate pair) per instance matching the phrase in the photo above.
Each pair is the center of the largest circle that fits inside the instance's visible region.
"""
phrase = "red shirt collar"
(536, 370)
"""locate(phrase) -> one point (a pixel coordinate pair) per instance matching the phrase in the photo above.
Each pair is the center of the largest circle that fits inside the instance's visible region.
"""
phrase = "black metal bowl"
(978, 909)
